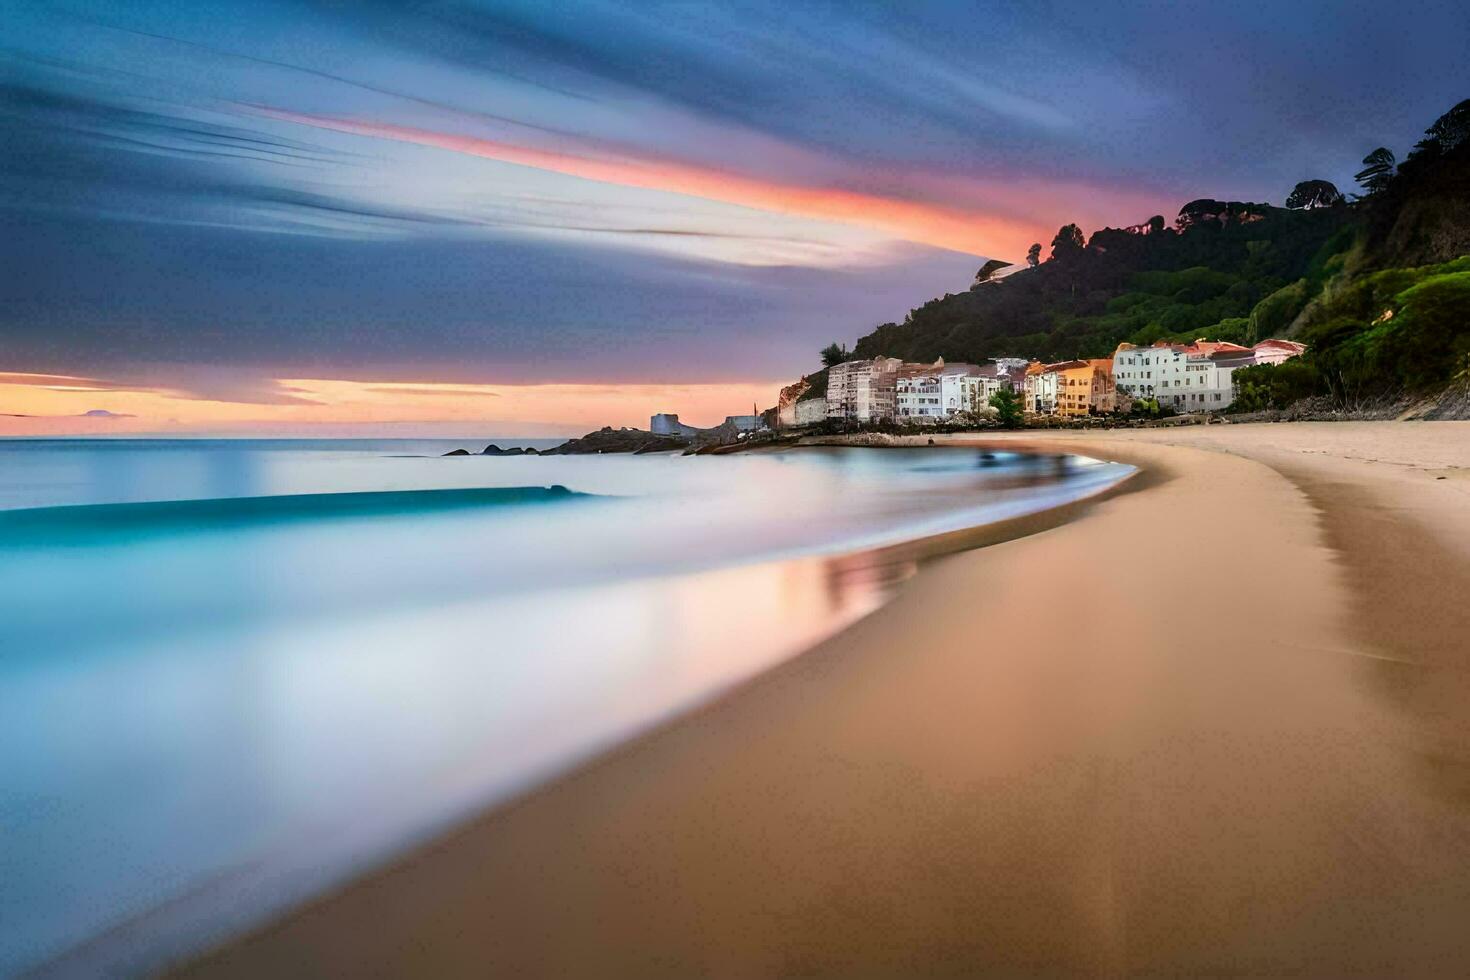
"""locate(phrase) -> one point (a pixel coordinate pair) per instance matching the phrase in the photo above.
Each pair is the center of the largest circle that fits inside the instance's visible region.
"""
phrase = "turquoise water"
(233, 673)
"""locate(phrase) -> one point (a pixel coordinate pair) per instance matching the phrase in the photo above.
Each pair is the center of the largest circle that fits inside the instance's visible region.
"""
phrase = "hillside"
(1205, 275)
(1324, 270)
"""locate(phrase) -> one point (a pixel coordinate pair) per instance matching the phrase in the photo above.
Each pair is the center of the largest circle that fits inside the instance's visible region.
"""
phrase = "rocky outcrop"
(610, 440)
(494, 450)
(458, 452)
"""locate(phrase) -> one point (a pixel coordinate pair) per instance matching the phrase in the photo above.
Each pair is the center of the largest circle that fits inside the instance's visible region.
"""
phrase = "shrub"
(1007, 407)
(1265, 386)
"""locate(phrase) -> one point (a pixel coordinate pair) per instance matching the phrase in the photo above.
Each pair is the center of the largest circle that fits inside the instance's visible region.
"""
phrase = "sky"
(524, 218)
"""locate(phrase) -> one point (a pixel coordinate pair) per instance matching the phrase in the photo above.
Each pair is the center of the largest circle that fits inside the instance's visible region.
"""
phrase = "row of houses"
(1193, 377)
(1185, 377)
(886, 388)
(1070, 388)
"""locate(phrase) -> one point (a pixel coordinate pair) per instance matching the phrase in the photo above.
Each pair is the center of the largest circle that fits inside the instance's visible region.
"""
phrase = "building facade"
(918, 396)
(1139, 370)
(1074, 388)
(932, 392)
(1195, 377)
(811, 411)
(1040, 389)
(1104, 388)
(863, 391)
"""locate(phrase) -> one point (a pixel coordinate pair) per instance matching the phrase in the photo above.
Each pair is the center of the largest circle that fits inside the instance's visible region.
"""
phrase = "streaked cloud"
(475, 192)
(930, 224)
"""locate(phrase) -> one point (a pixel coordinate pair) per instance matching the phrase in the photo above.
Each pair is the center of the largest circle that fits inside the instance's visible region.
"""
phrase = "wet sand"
(1218, 725)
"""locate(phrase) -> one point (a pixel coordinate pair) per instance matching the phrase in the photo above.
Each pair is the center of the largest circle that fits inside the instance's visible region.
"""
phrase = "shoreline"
(242, 897)
(1218, 775)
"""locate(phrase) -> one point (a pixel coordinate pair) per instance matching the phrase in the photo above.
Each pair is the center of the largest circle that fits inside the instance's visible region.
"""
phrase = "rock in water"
(458, 452)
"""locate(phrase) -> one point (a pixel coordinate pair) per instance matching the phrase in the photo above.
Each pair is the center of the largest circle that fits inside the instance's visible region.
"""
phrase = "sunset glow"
(36, 405)
(976, 232)
(204, 199)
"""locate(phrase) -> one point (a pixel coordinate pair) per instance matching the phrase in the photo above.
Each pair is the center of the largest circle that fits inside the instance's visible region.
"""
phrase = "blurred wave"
(233, 672)
(52, 525)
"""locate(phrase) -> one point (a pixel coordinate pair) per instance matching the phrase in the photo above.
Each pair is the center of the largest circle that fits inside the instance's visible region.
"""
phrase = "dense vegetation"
(1377, 286)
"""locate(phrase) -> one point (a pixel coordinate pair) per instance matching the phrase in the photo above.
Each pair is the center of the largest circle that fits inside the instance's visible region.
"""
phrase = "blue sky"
(213, 195)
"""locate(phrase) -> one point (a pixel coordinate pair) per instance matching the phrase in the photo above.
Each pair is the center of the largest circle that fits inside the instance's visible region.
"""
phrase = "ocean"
(235, 672)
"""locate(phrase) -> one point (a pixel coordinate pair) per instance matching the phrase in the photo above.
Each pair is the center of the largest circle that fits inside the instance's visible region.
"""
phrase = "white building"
(1187, 378)
(862, 391)
(918, 396)
(1039, 393)
(930, 393)
(996, 376)
(1139, 370)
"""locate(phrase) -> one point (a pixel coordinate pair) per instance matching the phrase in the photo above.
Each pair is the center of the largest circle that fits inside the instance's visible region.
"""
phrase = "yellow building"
(1074, 388)
(1104, 390)
(1085, 387)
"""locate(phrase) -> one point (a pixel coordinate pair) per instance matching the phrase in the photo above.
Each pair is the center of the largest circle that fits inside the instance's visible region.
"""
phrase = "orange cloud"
(959, 229)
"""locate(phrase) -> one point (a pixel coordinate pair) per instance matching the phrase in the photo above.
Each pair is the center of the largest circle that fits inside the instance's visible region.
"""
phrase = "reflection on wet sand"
(1413, 612)
(1031, 761)
(305, 697)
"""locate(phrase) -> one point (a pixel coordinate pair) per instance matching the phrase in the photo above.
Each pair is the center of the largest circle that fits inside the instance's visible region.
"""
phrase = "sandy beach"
(1218, 723)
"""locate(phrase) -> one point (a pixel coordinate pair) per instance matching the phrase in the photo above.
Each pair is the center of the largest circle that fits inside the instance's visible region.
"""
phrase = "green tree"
(1274, 314)
(1068, 244)
(1264, 386)
(1033, 255)
(1198, 211)
(1378, 168)
(1008, 406)
(1314, 194)
(1448, 131)
(833, 354)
